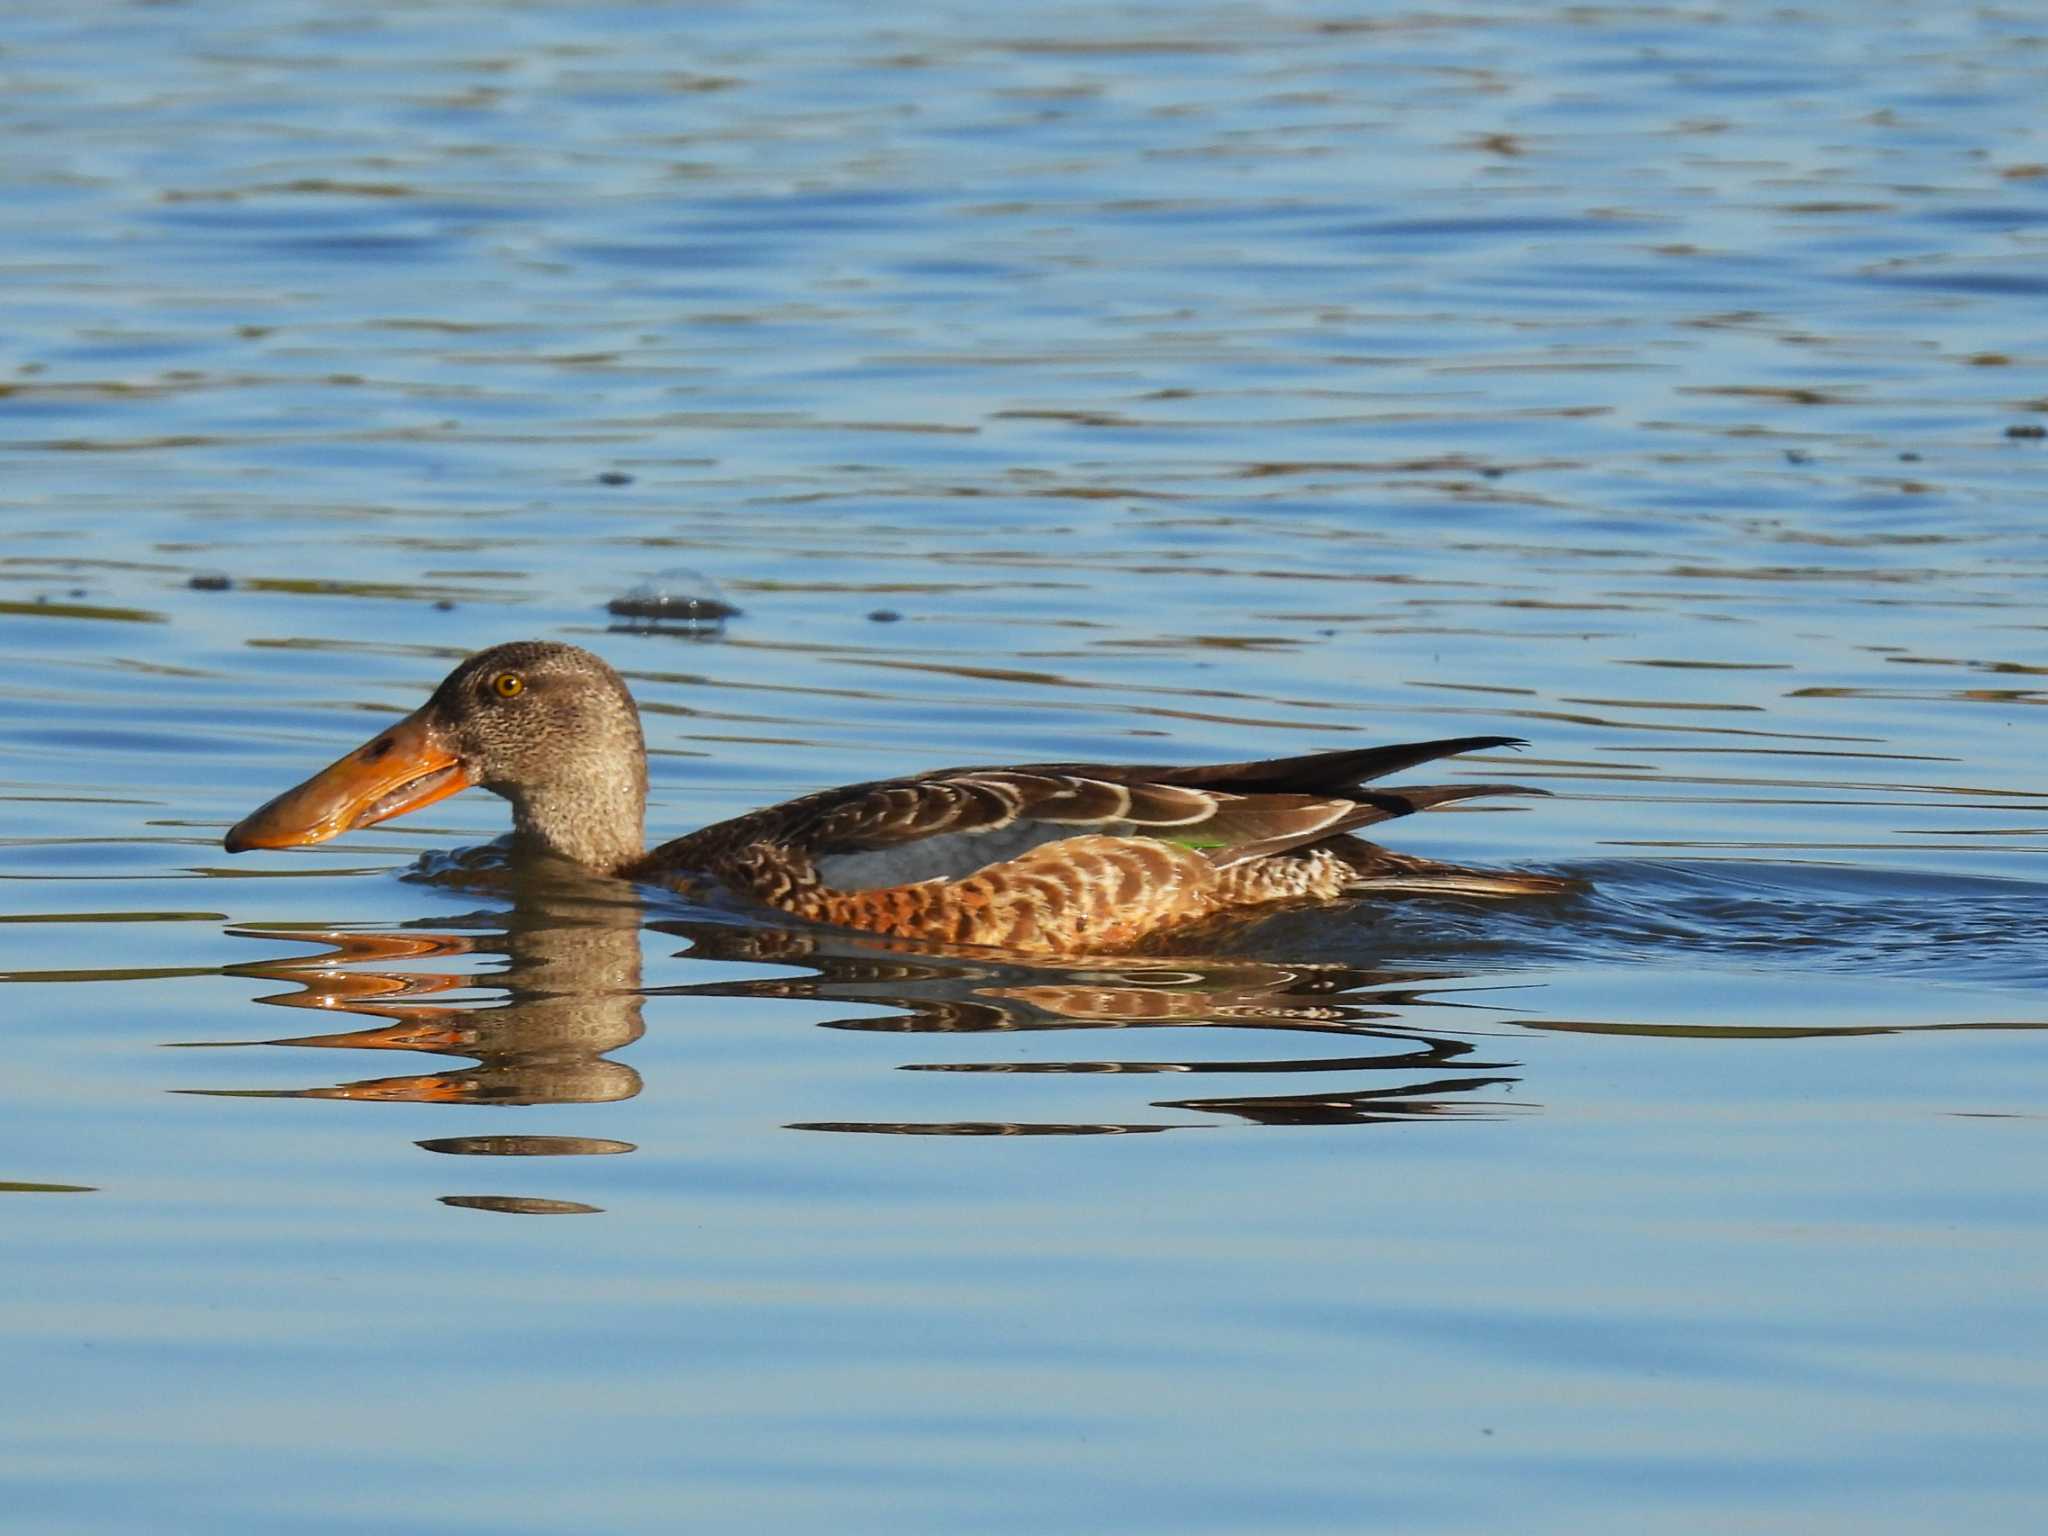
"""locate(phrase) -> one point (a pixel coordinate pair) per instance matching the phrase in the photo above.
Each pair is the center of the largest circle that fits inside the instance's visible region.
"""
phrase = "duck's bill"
(393, 773)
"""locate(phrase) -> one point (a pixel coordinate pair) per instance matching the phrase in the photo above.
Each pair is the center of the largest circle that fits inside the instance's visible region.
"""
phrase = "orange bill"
(394, 772)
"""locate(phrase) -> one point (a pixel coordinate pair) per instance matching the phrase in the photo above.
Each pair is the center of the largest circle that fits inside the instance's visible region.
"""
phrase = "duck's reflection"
(540, 994)
(949, 995)
(570, 983)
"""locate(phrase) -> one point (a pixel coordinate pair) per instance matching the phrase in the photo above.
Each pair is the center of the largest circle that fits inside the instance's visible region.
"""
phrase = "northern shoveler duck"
(1053, 858)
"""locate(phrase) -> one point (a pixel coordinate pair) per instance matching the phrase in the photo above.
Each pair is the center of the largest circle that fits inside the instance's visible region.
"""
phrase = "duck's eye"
(508, 685)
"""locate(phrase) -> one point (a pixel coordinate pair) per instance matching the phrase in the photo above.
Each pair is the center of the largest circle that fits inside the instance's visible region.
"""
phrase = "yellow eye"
(508, 685)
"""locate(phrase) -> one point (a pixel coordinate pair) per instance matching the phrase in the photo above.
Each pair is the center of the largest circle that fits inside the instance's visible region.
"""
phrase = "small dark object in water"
(444, 605)
(2027, 429)
(615, 477)
(1909, 457)
(78, 591)
(666, 609)
(680, 600)
(1798, 456)
(209, 583)
(884, 616)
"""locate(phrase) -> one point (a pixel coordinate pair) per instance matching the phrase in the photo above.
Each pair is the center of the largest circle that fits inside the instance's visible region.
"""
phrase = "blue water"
(1124, 383)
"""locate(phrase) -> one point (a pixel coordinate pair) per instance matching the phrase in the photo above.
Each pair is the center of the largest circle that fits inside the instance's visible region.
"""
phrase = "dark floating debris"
(2026, 429)
(526, 1146)
(884, 616)
(615, 477)
(694, 610)
(679, 601)
(521, 1205)
(1909, 457)
(444, 605)
(212, 581)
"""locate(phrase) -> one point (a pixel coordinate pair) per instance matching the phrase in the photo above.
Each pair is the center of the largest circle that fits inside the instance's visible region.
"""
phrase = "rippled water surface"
(1139, 382)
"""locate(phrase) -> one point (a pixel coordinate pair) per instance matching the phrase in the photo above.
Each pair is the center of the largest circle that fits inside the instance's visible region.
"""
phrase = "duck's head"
(550, 727)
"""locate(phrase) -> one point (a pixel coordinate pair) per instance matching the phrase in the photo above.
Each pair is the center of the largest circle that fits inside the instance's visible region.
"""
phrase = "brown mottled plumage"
(1061, 858)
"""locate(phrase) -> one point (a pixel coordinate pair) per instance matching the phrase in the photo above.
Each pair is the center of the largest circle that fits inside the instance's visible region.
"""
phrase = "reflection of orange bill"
(394, 772)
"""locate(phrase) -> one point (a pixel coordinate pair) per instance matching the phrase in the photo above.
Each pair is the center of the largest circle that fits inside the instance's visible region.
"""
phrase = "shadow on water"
(1363, 1013)
(1418, 1031)
(572, 995)
(543, 1025)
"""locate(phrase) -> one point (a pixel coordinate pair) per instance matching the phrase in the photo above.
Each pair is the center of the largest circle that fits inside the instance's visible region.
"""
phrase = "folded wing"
(949, 823)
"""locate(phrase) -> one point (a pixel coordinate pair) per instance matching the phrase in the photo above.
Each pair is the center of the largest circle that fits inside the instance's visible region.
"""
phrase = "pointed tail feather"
(1321, 773)
(1386, 804)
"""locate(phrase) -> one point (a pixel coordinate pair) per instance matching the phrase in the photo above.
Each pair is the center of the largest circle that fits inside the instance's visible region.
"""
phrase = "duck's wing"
(953, 821)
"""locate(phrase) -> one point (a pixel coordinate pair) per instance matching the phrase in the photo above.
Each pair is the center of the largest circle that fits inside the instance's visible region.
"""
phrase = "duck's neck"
(597, 818)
